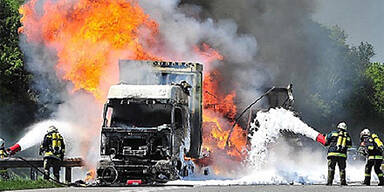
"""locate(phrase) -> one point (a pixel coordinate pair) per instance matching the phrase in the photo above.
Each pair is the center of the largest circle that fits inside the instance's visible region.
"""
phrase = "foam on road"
(238, 188)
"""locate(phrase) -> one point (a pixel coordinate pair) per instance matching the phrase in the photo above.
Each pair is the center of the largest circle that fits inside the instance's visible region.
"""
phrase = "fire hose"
(242, 113)
(16, 148)
(42, 172)
(319, 138)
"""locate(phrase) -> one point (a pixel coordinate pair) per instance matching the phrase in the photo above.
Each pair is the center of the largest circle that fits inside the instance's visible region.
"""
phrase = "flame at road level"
(90, 37)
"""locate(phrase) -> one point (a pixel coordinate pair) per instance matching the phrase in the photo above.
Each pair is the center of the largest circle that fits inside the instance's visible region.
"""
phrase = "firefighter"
(338, 141)
(53, 149)
(372, 148)
(185, 86)
(3, 154)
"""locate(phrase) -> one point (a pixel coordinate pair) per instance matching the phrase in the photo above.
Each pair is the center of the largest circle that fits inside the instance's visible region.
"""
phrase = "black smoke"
(292, 48)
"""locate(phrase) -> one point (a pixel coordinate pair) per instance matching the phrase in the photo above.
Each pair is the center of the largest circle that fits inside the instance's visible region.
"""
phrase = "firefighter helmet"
(2, 142)
(342, 126)
(52, 129)
(365, 132)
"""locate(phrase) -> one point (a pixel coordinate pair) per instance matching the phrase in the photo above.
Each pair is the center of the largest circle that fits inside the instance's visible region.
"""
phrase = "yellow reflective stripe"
(54, 140)
(335, 134)
(375, 157)
(344, 143)
(336, 154)
(380, 174)
(3, 154)
(50, 154)
(367, 175)
(370, 147)
(378, 142)
(339, 139)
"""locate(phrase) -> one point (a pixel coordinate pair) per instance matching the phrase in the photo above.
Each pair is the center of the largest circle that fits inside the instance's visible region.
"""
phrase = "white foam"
(270, 125)
(272, 161)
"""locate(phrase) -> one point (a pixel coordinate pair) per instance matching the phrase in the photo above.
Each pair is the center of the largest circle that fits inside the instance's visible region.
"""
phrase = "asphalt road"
(238, 188)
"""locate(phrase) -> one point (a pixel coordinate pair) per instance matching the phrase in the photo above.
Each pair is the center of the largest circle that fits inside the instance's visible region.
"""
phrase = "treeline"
(347, 86)
(17, 101)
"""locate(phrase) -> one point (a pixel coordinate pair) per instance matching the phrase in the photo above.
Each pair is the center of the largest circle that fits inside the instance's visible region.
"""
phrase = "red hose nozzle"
(14, 149)
(320, 138)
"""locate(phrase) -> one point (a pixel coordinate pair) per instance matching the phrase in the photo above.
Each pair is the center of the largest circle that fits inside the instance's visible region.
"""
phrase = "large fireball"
(90, 36)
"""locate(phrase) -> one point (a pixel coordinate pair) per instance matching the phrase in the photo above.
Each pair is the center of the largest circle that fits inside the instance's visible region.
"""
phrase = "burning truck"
(150, 128)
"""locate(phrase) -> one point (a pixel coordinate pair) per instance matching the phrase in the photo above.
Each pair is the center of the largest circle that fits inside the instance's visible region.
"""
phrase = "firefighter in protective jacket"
(3, 154)
(372, 148)
(53, 149)
(338, 141)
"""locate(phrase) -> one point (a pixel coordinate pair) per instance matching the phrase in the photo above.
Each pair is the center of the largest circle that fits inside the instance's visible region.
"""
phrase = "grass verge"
(17, 184)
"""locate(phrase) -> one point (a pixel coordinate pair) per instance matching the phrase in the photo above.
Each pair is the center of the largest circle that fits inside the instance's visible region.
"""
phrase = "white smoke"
(181, 33)
(79, 121)
(78, 117)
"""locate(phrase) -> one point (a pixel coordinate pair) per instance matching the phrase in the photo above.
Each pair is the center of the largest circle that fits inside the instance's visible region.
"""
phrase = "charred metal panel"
(281, 97)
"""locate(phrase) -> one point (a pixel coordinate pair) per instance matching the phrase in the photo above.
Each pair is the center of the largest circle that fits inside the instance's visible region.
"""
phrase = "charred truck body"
(150, 126)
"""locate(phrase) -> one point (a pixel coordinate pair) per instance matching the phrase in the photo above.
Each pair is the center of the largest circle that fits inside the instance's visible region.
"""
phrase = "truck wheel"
(109, 175)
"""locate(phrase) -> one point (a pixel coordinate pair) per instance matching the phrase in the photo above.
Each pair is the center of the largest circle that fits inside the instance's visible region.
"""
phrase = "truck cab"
(145, 133)
(149, 129)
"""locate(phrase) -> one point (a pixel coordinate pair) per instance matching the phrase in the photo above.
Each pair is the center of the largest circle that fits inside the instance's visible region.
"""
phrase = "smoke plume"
(181, 37)
(262, 42)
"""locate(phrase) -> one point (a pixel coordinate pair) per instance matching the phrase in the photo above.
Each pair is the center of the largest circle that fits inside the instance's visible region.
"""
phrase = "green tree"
(375, 73)
(17, 103)
(340, 89)
(13, 78)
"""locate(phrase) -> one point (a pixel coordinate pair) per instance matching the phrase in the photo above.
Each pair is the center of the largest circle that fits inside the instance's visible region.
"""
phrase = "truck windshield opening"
(140, 115)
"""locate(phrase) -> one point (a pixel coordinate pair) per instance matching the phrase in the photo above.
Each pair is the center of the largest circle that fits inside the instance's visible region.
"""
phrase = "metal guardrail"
(67, 163)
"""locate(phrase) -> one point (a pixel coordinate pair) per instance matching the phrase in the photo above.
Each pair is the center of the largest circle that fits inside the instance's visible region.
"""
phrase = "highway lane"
(236, 188)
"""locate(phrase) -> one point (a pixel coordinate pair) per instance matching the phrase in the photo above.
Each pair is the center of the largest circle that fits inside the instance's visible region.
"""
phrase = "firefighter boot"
(381, 181)
(343, 181)
(331, 174)
(46, 174)
(367, 181)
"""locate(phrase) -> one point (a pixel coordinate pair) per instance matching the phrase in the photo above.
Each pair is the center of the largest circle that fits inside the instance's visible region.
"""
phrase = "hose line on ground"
(42, 172)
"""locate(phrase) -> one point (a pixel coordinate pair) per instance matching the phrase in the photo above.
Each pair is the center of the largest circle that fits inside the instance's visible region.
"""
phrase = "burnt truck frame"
(146, 137)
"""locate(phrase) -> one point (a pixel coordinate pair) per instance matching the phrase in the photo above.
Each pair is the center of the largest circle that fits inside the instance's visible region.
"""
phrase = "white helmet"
(52, 129)
(2, 142)
(342, 126)
(365, 132)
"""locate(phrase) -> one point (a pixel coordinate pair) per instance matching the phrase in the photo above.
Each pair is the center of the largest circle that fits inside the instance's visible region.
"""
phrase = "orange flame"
(91, 175)
(219, 115)
(91, 36)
